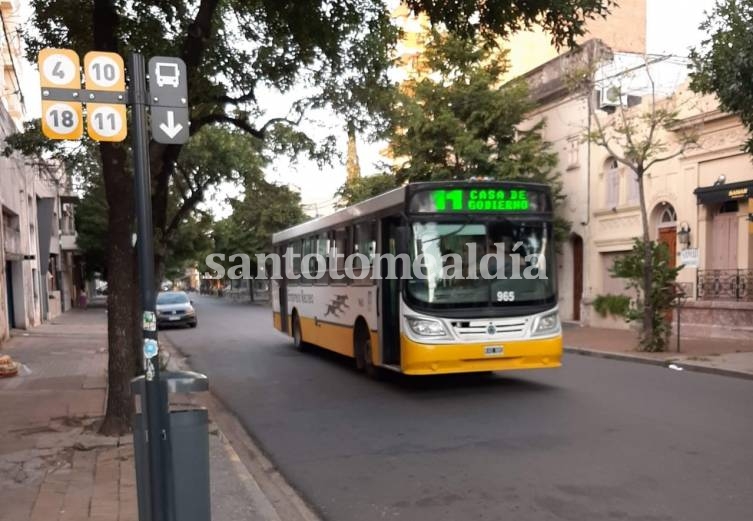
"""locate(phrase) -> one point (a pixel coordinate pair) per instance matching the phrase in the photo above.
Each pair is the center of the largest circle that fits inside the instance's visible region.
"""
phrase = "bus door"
(389, 307)
(283, 294)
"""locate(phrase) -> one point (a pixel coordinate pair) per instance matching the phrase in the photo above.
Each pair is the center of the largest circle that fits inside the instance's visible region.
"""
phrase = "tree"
(660, 295)
(723, 63)
(191, 243)
(361, 188)
(460, 120)
(233, 50)
(265, 208)
(639, 137)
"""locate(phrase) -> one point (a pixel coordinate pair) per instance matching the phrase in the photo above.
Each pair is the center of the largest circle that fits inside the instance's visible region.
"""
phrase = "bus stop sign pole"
(156, 413)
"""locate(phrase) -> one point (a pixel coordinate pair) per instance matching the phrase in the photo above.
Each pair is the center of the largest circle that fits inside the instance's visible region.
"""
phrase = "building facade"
(699, 202)
(38, 262)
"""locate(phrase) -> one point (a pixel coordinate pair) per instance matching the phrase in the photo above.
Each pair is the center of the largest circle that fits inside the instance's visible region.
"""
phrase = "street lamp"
(683, 235)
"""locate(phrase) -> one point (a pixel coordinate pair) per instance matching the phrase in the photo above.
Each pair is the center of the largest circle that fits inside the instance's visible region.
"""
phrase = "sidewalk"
(711, 355)
(53, 465)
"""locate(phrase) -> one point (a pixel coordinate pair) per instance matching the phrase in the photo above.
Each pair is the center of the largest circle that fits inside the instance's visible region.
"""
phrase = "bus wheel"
(364, 358)
(298, 342)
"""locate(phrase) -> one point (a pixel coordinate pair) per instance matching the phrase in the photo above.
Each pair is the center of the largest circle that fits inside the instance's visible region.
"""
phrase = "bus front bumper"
(537, 353)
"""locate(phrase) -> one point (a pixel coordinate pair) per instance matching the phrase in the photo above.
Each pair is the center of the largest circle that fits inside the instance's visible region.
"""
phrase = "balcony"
(734, 285)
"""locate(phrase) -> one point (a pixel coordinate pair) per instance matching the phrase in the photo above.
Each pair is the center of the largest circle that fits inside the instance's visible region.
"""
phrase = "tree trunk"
(120, 290)
(648, 266)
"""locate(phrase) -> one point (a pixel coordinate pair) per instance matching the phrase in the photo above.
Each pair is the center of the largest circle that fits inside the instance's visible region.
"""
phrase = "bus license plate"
(494, 351)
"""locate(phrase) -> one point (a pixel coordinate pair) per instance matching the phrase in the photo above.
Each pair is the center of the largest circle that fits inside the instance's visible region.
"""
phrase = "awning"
(724, 192)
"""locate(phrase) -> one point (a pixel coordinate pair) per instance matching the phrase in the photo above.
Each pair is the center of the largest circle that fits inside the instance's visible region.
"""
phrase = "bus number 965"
(505, 296)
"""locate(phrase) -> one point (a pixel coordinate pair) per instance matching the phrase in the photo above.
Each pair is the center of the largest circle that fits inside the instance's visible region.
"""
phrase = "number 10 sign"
(60, 77)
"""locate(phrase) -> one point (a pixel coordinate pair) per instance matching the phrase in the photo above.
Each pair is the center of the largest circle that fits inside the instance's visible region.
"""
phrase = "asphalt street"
(596, 440)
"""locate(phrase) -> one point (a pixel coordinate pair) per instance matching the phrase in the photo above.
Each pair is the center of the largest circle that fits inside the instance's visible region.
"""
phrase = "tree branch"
(198, 35)
(224, 118)
(679, 152)
(250, 96)
(188, 205)
(259, 133)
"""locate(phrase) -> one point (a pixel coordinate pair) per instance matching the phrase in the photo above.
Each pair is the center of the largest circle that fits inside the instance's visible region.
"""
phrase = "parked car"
(174, 308)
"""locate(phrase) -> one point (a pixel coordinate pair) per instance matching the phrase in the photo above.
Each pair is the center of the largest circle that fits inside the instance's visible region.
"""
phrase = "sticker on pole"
(149, 321)
(150, 348)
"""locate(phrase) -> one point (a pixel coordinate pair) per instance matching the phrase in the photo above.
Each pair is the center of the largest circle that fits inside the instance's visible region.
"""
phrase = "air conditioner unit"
(612, 97)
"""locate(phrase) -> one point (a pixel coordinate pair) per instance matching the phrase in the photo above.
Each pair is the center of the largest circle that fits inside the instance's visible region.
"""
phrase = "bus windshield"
(501, 263)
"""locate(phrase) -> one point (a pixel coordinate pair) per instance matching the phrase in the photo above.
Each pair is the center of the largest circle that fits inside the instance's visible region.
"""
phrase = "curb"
(696, 368)
(278, 500)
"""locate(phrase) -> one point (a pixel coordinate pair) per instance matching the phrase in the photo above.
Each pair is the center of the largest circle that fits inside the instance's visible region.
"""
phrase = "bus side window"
(309, 248)
(295, 249)
(340, 249)
(320, 265)
(365, 243)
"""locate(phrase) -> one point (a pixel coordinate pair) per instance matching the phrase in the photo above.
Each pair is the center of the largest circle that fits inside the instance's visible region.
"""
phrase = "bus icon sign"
(167, 74)
(168, 100)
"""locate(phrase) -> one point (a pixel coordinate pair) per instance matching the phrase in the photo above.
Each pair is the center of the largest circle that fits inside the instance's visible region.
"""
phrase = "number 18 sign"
(59, 69)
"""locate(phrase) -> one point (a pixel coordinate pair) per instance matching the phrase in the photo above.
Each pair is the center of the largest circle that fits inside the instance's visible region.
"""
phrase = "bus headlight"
(426, 327)
(547, 324)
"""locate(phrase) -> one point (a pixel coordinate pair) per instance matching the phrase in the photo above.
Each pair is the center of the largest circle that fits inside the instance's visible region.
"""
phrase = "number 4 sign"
(104, 71)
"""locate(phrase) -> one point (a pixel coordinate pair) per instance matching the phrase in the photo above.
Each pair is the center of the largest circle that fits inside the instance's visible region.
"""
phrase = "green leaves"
(362, 188)
(658, 298)
(265, 208)
(723, 63)
(460, 120)
(563, 19)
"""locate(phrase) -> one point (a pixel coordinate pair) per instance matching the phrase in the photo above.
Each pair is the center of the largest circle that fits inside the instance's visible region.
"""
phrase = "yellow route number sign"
(62, 97)
(62, 120)
(104, 71)
(106, 121)
(60, 69)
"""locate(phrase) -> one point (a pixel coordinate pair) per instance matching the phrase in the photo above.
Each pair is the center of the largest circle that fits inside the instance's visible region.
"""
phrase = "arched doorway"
(666, 229)
(576, 243)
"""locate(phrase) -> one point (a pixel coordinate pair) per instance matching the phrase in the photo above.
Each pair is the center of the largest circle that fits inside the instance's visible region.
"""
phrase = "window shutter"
(613, 188)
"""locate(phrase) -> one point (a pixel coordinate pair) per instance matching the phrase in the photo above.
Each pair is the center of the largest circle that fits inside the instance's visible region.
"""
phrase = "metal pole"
(155, 399)
(679, 307)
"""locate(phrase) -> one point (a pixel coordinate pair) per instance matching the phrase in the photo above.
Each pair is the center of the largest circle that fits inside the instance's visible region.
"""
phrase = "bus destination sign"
(478, 200)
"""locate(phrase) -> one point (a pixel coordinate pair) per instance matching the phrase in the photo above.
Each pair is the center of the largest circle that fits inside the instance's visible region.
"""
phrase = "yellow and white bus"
(434, 323)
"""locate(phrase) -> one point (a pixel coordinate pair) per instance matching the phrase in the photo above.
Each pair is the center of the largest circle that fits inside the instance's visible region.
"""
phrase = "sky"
(318, 185)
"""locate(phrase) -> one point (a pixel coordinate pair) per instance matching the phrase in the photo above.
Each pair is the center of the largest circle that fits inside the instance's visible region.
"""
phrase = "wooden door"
(669, 237)
(723, 254)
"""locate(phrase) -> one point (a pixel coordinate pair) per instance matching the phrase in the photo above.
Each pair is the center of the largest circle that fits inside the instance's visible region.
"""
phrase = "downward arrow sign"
(171, 128)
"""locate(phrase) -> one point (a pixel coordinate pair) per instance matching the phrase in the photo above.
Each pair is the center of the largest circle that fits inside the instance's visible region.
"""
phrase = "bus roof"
(392, 199)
